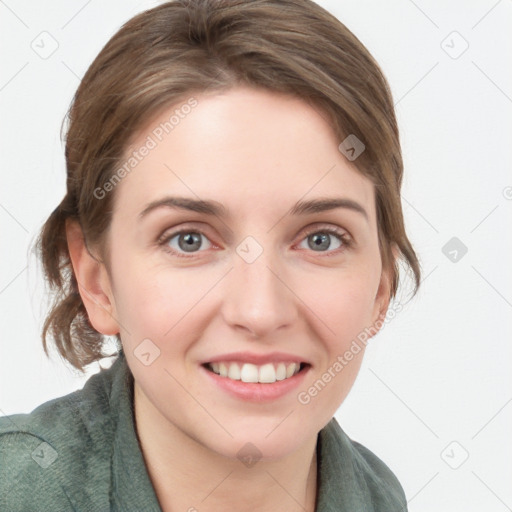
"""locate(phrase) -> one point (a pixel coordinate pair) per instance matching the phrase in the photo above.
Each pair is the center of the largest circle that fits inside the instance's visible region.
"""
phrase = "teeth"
(234, 372)
(281, 371)
(247, 372)
(223, 370)
(267, 373)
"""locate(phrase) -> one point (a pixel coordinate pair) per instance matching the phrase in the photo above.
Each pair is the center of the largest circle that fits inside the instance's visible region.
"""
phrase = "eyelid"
(334, 230)
(169, 234)
(323, 226)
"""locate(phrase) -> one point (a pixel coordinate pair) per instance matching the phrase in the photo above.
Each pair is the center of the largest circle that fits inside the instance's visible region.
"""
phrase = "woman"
(233, 218)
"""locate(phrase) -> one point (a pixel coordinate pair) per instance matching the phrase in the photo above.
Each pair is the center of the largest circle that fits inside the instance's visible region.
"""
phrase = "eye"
(320, 239)
(190, 241)
(184, 241)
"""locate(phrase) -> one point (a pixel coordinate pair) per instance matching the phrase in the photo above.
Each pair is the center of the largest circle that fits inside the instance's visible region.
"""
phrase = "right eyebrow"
(185, 203)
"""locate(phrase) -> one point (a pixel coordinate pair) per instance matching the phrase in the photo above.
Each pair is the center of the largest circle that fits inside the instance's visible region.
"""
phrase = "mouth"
(268, 373)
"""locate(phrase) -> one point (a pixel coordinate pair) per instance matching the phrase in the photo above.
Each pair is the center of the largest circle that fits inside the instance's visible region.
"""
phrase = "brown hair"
(163, 55)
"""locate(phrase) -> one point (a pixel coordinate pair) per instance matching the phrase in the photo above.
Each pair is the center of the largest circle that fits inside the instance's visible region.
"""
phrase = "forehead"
(246, 148)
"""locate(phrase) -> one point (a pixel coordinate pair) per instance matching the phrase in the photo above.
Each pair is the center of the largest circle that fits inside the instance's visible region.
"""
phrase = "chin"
(257, 445)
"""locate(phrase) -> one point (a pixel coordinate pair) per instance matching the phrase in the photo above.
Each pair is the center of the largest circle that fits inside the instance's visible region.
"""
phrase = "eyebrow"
(326, 204)
(214, 208)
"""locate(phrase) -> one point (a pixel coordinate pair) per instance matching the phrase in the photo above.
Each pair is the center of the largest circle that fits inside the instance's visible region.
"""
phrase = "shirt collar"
(132, 487)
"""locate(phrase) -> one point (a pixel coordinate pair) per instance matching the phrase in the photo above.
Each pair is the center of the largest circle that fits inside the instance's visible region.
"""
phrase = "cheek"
(158, 303)
(343, 301)
(139, 301)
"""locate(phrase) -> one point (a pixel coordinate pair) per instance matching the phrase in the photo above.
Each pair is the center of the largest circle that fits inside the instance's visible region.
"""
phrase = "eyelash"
(341, 235)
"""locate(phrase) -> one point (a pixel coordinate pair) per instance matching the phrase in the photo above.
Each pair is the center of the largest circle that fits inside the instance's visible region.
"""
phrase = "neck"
(188, 476)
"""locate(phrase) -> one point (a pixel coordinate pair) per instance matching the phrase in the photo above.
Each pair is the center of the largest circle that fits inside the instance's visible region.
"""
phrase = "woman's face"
(257, 278)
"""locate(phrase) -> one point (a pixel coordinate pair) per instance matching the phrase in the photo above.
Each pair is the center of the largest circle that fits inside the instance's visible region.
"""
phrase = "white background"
(440, 371)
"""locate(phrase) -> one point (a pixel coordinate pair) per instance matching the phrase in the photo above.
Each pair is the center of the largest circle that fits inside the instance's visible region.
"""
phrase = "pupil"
(190, 240)
(320, 240)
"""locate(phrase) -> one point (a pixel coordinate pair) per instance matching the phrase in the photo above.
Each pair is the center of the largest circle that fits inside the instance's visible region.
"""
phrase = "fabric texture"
(80, 452)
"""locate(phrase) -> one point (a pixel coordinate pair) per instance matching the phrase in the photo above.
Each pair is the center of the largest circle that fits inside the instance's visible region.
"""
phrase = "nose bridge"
(257, 298)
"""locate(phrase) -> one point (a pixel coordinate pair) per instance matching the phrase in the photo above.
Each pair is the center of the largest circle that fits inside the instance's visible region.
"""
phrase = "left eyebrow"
(326, 204)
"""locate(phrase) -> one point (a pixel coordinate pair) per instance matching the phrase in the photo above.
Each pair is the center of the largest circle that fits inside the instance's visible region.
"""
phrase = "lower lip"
(256, 391)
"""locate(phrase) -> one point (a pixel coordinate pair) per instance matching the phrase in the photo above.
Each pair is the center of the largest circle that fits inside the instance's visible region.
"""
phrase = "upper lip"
(257, 359)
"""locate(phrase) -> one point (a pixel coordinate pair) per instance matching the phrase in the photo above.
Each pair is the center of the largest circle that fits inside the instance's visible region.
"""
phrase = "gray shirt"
(80, 452)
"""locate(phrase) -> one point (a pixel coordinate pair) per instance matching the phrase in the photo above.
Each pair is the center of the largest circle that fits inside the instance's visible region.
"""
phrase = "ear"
(93, 282)
(383, 296)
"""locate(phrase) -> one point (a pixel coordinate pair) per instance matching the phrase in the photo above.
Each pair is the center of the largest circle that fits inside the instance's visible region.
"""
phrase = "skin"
(258, 153)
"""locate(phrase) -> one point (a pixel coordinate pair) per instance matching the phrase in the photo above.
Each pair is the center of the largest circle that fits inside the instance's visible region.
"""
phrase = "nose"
(258, 298)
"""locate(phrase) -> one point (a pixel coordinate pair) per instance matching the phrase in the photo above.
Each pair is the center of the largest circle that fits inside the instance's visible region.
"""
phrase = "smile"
(247, 372)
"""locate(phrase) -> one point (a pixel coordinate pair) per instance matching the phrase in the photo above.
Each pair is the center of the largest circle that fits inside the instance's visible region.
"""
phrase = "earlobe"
(93, 282)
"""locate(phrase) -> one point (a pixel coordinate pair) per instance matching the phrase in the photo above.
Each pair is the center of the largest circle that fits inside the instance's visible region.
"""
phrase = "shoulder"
(51, 450)
(27, 479)
(361, 476)
(379, 478)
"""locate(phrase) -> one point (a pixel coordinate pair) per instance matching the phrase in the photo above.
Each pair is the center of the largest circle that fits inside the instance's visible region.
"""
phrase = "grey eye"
(188, 241)
(321, 241)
